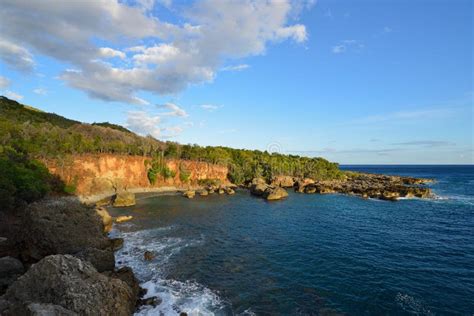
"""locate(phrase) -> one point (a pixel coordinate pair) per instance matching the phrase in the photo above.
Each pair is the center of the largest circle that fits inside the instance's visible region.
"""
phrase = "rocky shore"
(364, 185)
(56, 259)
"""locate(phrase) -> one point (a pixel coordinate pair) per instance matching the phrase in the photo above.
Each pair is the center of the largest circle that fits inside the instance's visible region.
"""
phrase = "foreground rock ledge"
(68, 285)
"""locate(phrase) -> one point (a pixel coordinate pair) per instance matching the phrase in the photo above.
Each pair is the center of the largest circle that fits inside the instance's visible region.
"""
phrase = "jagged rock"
(10, 270)
(230, 191)
(283, 181)
(221, 191)
(124, 199)
(390, 196)
(74, 285)
(107, 220)
(203, 192)
(123, 218)
(35, 309)
(148, 255)
(310, 189)
(126, 275)
(104, 202)
(59, 227)
(152, 301)
(101, 259)
(116, 243)
(258, 189)
(189, 194)
(277, 193)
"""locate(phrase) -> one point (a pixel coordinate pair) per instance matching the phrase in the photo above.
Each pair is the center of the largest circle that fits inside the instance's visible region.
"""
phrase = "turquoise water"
(309, 254)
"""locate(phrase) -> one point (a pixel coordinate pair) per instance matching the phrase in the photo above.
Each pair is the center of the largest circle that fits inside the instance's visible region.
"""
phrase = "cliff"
(101, 175)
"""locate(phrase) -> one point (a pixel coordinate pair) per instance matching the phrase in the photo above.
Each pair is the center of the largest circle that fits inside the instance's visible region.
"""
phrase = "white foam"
(190, 297)
(412, 305)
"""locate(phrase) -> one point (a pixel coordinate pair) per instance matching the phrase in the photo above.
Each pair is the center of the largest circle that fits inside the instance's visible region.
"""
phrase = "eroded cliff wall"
(104, 174)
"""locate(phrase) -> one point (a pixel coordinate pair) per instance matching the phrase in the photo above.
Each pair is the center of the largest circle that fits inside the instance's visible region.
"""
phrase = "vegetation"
(23, 180)
(157, 167)
(43, 135)
(184, 174)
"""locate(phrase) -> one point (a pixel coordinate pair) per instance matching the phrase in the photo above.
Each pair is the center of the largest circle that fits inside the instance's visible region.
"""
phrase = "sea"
(308, 254)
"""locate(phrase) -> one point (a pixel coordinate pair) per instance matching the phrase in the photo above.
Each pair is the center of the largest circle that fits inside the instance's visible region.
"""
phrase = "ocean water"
(308, 254)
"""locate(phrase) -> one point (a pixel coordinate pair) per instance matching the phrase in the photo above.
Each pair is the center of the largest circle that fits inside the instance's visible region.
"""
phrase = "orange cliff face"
(104, 174)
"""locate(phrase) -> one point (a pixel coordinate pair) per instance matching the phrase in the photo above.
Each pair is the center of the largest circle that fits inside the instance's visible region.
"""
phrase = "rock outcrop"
(189, 194)
(10, 270)
(107, 220)
(124, 199)
(61, 226)
(389, 188)
(258, 187)
(68, 285)
(123, 218)
(283, 181)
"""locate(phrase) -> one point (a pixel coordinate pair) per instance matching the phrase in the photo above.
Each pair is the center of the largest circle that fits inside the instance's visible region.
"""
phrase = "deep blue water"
(309, 254)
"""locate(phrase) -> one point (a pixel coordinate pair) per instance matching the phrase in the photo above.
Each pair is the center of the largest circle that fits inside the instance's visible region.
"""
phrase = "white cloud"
(4, 82)
(143, 123)
(175, 110)
(40, 91)
(164, 58)
(16, 56)
(108, 52)
(13, 95)
(235, 67)
(339, 49)
(210, 107)
(347, 45)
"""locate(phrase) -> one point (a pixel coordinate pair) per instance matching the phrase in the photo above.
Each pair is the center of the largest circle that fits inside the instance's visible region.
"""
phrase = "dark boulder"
(72, 284)
(10, 270)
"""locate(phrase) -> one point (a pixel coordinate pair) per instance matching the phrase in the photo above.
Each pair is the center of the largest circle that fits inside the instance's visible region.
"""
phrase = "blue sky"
(351, 81)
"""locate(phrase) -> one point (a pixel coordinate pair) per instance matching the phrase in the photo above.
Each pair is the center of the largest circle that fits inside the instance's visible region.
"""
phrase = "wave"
(176, 296)
(412, 305)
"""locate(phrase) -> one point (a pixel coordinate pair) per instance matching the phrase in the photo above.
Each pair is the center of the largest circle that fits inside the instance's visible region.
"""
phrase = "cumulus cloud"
(175, 110)
(4, 82)
(143, 123)
(159, 57)
(13, 95)
(15, 56)
(111, 53)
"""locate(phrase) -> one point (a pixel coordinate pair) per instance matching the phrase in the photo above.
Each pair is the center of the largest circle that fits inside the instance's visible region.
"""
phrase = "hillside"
(28, 135)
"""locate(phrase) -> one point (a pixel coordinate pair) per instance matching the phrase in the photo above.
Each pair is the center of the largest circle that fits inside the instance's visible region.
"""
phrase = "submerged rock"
(71, 284)
(148, 255)
(189, 194)
(278, 193)
(203, 192)
(124, 199)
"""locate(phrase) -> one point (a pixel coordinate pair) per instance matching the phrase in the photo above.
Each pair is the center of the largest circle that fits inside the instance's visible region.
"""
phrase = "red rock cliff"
(104, 174)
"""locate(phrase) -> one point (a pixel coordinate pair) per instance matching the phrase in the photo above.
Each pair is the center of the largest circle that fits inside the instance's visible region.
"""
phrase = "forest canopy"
(41, 135)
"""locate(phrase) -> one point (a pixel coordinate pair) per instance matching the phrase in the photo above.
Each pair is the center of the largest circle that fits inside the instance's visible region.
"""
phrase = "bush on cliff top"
(23, 180)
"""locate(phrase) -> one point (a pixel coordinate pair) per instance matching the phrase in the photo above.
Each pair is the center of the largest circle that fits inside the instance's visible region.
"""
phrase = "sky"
(356, 82)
